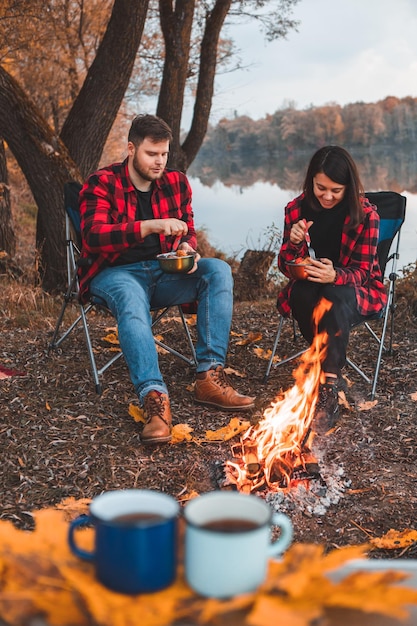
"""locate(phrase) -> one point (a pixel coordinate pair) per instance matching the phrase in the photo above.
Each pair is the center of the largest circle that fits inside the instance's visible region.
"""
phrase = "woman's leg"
(337, 322)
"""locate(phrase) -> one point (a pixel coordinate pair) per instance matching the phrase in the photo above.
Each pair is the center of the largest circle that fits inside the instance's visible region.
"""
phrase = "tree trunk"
(176, 28)
(44, 158)
(93, 113)
(7, 236)
(251, 280)
(46, 165)
(205, 85)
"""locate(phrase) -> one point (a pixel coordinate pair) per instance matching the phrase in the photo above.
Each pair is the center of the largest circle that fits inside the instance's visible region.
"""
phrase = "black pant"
(337, 322)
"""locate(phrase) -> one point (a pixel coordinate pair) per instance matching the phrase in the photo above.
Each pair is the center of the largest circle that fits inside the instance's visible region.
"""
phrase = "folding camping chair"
(391, 209)
(71, 296)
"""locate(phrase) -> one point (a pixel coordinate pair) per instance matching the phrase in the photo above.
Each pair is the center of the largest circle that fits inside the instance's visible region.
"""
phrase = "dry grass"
(26, 307)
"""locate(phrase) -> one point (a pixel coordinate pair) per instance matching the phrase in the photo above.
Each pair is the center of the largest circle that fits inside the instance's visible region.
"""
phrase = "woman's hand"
(321, 271)
(298, 232)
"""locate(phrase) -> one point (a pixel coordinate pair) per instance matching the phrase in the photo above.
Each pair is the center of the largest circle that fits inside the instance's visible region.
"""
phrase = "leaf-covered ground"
(60, 439)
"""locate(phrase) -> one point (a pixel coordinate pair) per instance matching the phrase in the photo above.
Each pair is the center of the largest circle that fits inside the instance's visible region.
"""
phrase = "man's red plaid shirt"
(108, 208)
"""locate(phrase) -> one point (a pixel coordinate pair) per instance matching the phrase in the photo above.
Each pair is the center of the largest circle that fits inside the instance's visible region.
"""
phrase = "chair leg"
(274, 349)
(380, 352)
(190, 361)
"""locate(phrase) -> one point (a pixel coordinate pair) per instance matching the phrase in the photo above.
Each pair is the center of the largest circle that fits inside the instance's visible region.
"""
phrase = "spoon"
(176, 243)
(311, 252)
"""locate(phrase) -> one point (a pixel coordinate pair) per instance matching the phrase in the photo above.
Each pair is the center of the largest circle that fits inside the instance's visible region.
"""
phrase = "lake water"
(240, 218)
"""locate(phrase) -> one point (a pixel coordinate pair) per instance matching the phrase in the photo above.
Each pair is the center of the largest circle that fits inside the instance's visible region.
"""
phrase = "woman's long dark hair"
(337, 164)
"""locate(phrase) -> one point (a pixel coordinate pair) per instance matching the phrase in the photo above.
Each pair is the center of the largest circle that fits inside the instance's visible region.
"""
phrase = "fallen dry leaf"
(40, 576)
(413, 396)
(230, 370)
(233, 428)
(365, 406)
(111, 338)
(251, 337)
(113, 609)
(160, 349)
(181, 432)
(185, 497)
(395, 539)
(265, 354)
(269, 610)
(137, 413)
(73, 507)
(343, 401)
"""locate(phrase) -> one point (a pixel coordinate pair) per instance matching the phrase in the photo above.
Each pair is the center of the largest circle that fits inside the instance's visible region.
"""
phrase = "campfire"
(276, 453)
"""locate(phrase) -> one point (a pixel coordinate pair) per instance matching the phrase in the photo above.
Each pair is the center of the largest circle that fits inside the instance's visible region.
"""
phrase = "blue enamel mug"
(135, 539)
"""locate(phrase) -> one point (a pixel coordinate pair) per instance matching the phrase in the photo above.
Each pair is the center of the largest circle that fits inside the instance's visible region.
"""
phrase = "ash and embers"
(312, 493)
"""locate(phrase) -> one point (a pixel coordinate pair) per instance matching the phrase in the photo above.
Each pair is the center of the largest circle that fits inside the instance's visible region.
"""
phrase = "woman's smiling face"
(327, 192)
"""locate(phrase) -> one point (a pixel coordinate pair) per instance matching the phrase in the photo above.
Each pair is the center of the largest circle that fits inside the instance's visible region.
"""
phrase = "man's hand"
(189, 250)
(169, 226)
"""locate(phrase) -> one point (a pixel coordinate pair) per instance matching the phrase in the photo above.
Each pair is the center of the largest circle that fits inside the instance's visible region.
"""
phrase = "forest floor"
(60, 439)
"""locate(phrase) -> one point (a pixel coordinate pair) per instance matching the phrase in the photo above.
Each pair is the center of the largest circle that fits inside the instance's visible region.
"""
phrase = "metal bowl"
(296, 269)
(173, 264)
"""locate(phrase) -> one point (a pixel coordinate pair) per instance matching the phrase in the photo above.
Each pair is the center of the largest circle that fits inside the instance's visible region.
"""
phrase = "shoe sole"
(225, 408)
(156, 440)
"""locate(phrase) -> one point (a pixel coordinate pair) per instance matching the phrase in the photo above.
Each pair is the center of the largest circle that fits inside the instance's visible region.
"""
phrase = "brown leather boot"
(213, 388)
(158, 418)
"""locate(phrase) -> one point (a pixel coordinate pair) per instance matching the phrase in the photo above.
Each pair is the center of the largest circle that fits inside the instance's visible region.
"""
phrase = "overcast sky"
(356, 50)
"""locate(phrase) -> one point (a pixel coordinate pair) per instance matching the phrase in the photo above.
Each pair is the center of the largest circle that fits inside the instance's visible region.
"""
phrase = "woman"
(343, 228)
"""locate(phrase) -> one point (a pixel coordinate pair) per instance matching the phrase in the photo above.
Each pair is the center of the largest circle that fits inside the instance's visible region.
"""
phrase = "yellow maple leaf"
(113, 609)
(39, 575)
(30, 559)
(373, 592)
(73, 507)
(230, 370)
(159, 349)
(137, 413)
(185, 497)
(212, 608)
(233, 428)
(191, 319)
(365, 406)
(181, 432)
(251, 337)
(343, 401)
(275, 610)
(394, 539)
(111, 338)
(265, 354)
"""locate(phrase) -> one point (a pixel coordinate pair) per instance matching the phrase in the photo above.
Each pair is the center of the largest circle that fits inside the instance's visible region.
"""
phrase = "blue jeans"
(131, 291)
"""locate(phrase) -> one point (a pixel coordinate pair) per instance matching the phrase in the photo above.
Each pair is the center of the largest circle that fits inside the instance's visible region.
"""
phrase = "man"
(130, 212)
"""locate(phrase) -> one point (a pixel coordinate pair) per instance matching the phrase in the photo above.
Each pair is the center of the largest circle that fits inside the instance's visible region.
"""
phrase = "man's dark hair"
(150, 126)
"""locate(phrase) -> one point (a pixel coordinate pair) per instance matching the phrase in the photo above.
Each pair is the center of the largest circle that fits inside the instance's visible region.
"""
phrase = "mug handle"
(81, 520)
(280, 545)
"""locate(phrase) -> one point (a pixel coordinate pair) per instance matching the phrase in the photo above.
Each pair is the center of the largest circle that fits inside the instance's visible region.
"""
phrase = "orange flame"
(276, 445)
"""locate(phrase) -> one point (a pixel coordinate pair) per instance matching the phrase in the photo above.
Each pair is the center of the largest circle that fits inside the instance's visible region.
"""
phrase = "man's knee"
(218, 270)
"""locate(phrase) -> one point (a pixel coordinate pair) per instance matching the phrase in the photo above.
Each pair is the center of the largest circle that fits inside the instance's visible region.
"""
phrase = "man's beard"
(141, 173)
